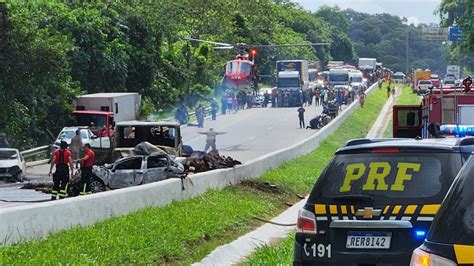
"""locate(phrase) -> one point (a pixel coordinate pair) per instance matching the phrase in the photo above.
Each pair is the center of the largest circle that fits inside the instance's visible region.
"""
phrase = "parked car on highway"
(450, 240)
(451, 83)
(12, 164)
(375, 201)
(357, 81)
(135, 170)
(398, 77)
(424, 86)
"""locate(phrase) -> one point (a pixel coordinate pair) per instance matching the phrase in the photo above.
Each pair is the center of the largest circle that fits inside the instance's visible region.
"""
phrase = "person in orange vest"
(86, 169)
(62, 159)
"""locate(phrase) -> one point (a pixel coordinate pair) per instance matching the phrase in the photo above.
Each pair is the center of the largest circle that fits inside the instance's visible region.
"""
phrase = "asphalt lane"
(249, 134)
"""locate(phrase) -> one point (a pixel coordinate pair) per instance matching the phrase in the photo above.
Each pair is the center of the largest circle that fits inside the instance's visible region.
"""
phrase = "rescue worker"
(62, 159)
(76, 146)
(86, 169)
(301, 111)
(211, 139)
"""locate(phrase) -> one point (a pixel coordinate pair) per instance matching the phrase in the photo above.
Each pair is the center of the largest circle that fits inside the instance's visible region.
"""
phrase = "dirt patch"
(262, 186)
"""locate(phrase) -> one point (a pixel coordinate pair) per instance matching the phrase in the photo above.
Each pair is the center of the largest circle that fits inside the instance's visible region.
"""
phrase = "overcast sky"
(417, 11)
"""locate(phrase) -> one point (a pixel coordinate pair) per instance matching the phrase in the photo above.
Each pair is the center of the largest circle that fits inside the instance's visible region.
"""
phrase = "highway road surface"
(249, 134)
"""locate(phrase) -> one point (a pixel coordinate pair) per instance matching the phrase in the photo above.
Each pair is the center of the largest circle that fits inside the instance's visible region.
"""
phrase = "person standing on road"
(62, 159)
(229, 103)
(223, 105)
(301, 111)
(86, 169)
(235, 104)
(316, 96)
(274, 97)
(213, 110)
(211, 139)
(323, 95)
(200, 113)
(76, 146)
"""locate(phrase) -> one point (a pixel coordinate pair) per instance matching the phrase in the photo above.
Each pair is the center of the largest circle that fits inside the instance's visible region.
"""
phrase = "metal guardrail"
(192, 114)
(36, 156)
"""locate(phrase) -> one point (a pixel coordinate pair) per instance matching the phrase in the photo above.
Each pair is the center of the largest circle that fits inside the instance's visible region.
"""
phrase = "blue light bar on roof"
(458, 130)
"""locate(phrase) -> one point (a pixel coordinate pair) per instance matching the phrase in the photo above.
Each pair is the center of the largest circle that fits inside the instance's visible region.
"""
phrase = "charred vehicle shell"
(135, 170)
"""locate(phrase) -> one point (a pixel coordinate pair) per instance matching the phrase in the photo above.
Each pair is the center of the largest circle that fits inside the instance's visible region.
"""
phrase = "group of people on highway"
(232, 103)
(78, 156)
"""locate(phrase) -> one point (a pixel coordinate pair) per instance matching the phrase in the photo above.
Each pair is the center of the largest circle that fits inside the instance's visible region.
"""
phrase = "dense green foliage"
(459, 13)
(52, 51)
(186, 231)
(384, 37)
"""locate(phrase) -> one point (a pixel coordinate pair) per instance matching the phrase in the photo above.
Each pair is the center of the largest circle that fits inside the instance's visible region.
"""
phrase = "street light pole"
(406, 50)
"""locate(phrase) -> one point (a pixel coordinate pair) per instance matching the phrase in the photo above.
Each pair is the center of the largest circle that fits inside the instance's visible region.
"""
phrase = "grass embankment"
(282, 253)
(406, 97)
(184, 232)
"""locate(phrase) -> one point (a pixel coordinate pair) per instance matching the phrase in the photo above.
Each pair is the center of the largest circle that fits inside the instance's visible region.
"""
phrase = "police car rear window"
(457, 212)
(389, 175)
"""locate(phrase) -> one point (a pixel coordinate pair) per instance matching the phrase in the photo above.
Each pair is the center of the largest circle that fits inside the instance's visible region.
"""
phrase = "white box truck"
(103, 110)
(292, 78)
(454, 70)
(367, 64)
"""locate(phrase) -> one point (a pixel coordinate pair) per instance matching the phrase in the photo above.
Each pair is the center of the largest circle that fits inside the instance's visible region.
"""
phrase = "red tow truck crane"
(452, 107)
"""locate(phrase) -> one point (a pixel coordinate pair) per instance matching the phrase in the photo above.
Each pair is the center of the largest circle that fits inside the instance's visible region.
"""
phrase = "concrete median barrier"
(37, 221)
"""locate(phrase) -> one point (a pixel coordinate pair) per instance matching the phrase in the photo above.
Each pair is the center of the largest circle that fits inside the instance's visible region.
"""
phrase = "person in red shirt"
(62, 159)
(86, 169)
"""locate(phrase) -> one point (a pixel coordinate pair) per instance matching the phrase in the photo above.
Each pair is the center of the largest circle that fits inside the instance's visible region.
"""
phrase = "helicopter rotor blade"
(209, 42)
(223, 47)
(288, 45)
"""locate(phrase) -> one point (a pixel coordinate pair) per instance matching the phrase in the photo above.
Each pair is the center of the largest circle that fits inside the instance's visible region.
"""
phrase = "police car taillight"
(422, 258)
(306, 222)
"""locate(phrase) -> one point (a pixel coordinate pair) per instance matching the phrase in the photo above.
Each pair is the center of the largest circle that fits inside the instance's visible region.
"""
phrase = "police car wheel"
(97, 185)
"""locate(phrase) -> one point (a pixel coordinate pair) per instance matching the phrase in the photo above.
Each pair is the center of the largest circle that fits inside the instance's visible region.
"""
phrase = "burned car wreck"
(148, 164)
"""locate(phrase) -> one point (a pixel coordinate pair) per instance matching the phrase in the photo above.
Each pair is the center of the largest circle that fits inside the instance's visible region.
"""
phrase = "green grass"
(300, 174)
(406, 97)
(184, 232)
(356, 126)
(155, 235)
(281, 254)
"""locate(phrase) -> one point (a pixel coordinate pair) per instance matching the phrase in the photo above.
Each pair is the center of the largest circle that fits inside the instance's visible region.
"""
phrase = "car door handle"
(139, 172)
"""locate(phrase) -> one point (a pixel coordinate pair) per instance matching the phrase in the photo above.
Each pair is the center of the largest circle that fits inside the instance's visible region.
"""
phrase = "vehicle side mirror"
(94, 137)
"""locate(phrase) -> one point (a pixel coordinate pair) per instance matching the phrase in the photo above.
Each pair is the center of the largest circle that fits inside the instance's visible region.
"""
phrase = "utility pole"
(407, 50)
(188, 65)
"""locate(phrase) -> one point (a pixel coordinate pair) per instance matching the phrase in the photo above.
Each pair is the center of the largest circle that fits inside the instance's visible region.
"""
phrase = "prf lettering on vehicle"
(376, 174)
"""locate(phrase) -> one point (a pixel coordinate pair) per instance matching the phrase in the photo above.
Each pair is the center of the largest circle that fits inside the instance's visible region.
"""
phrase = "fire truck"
(451, 109)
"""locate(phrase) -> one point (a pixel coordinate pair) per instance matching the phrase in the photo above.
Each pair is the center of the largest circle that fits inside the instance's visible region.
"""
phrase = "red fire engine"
(446, 106)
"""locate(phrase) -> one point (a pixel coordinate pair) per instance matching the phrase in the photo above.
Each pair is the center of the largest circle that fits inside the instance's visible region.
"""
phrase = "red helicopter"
(240, 72)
